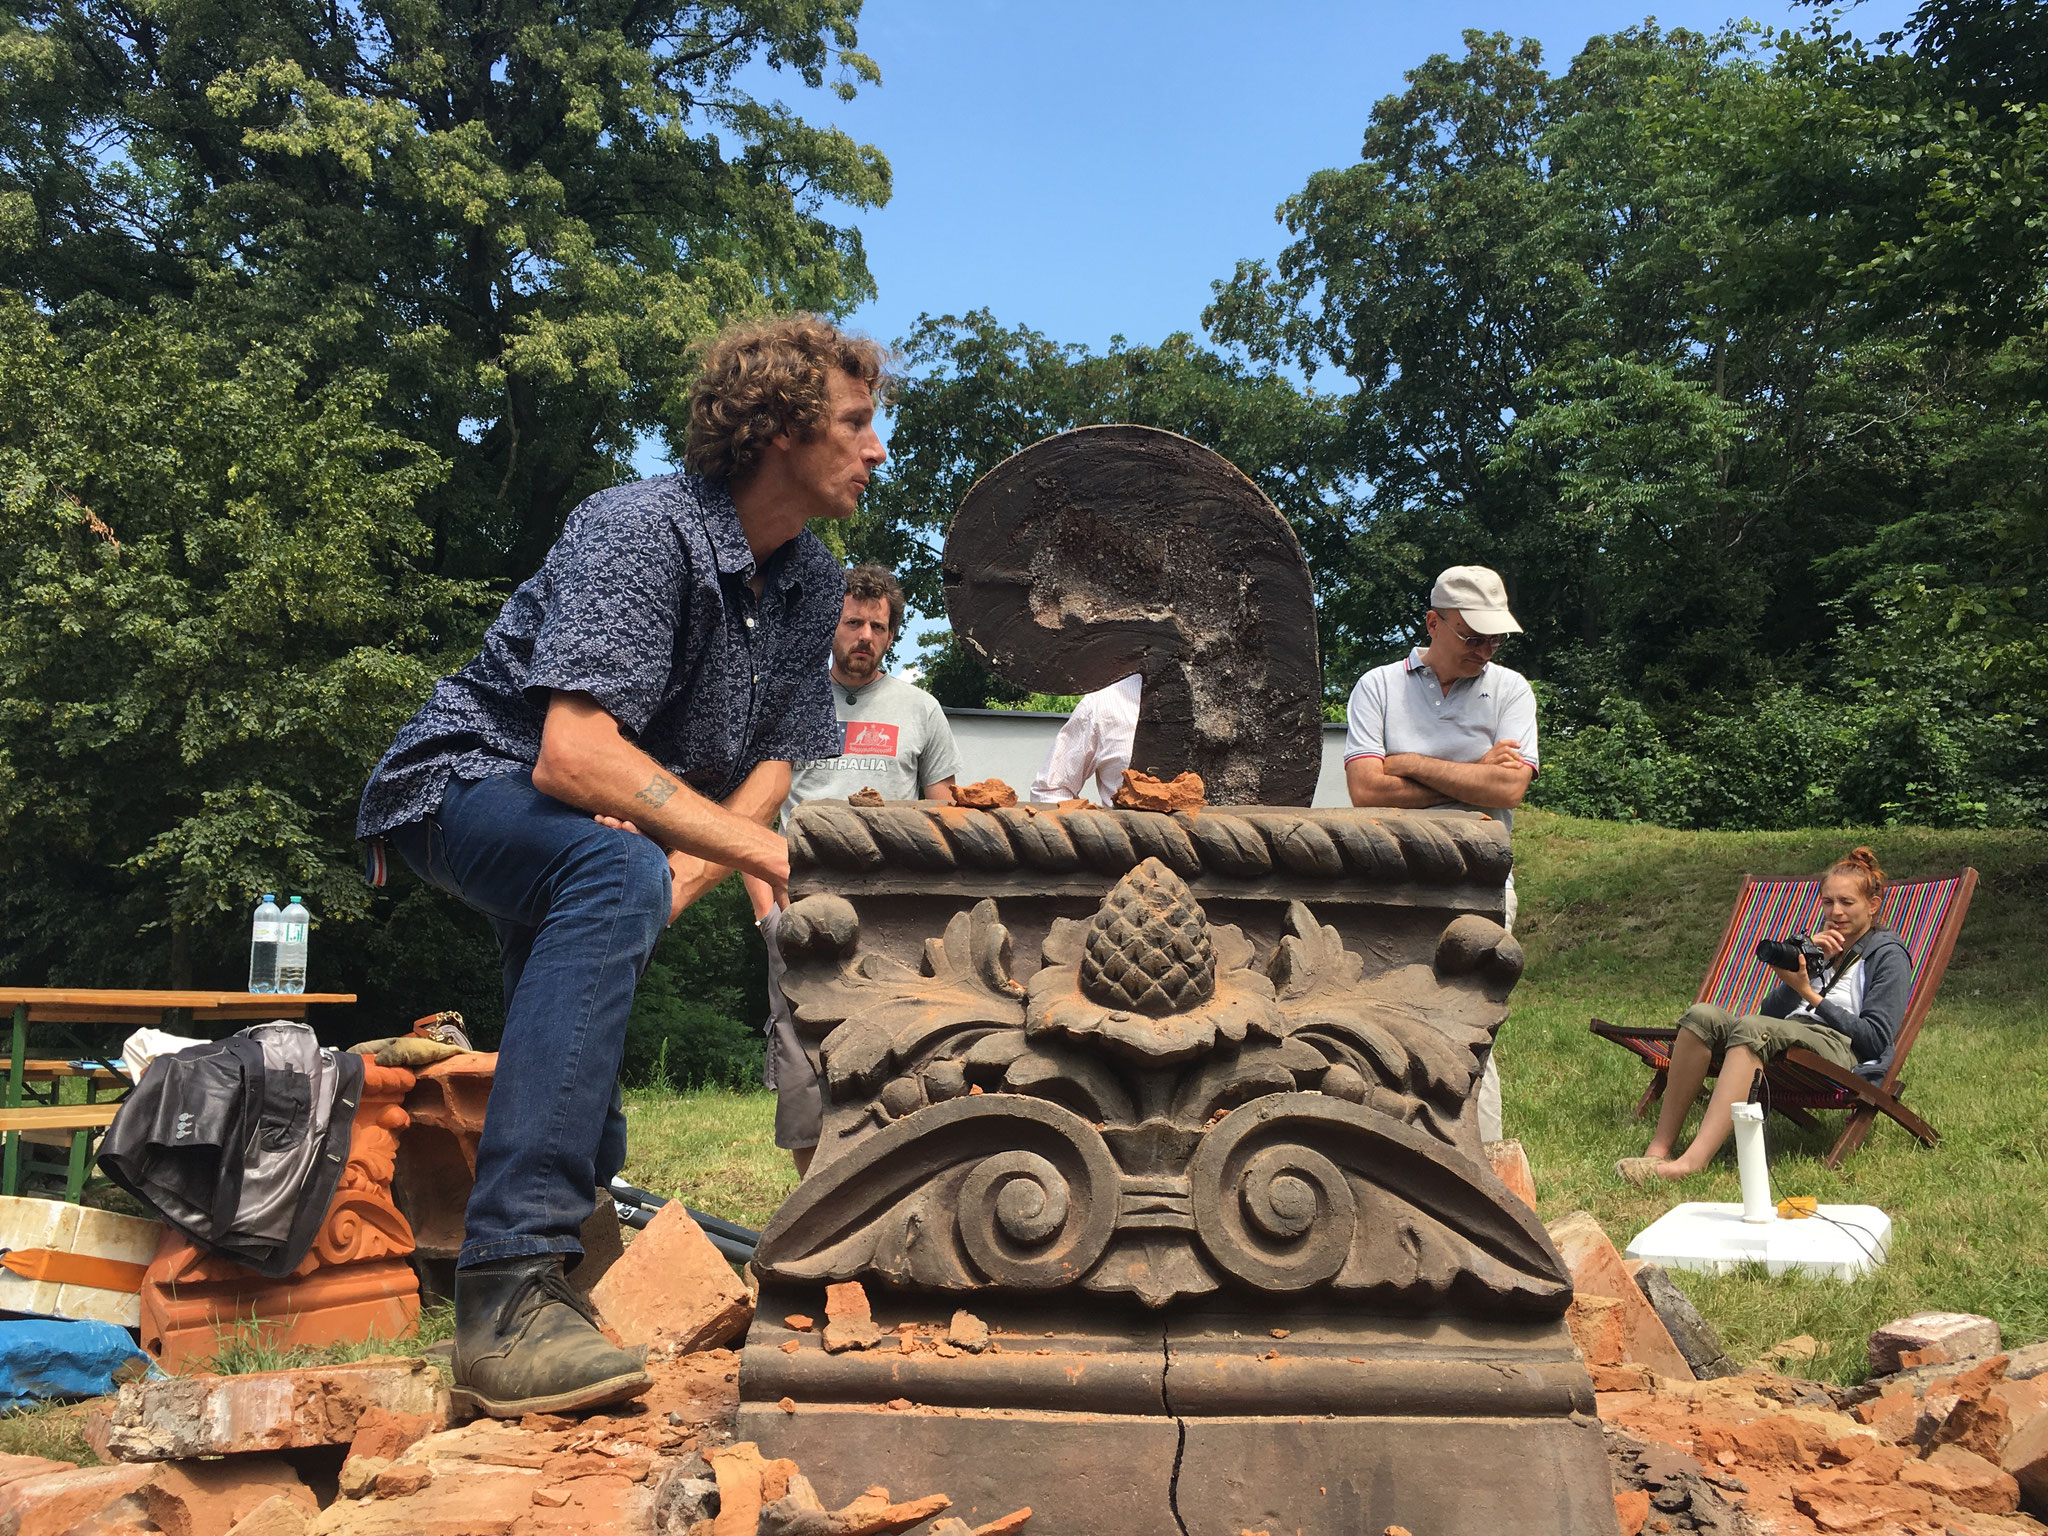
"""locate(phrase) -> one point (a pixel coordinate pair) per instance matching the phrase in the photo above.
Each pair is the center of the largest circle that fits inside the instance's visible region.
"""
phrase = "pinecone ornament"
(1148, 949)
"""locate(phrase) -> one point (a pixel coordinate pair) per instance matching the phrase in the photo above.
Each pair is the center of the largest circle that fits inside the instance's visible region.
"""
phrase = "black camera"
(1786, 954)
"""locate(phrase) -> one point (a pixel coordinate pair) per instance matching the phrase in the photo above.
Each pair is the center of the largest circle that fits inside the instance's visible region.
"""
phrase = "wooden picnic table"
(118, 1008)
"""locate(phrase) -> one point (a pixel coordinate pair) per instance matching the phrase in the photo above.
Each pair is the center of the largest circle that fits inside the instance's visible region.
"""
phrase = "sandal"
(1639, 1170)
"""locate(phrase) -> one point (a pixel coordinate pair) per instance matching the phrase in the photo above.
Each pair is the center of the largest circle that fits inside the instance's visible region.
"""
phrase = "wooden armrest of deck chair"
(1872, 1100)
(1639, 1041)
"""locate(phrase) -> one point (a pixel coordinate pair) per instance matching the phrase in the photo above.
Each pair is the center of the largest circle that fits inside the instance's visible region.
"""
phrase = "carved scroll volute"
(1119, 549)
(987, 1190)
(1298, 1189)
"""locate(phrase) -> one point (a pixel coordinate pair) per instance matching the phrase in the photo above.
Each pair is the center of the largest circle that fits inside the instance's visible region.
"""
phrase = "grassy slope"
(1621, 921)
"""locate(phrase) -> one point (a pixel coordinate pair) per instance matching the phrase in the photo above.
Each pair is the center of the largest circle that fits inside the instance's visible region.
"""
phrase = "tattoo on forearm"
(657, 791)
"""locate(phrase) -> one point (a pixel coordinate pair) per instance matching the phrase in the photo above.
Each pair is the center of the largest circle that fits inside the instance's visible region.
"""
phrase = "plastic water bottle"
(291, 953)
(265, 934)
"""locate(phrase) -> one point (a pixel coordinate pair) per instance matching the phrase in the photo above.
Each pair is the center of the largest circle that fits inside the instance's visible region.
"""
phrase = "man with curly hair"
(623, 743)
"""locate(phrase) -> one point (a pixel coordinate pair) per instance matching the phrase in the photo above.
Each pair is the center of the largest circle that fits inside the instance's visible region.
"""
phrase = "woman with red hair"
(1847, 1013)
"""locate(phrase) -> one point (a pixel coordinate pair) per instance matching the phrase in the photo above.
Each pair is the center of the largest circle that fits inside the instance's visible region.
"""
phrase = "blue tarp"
(50, 1357)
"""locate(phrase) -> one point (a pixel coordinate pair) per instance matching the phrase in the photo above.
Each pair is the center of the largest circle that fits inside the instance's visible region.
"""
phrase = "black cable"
(1878, 1250)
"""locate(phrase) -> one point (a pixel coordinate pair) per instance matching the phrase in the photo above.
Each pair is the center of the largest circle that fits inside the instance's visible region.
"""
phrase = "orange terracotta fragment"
(1142, 792)
(988, 795)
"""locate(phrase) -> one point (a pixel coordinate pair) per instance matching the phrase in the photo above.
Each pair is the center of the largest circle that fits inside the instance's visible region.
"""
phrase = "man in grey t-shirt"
(897, 743)
(1450, 726)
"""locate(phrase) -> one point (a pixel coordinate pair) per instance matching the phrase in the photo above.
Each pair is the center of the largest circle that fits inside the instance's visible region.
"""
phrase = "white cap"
(1480, 597)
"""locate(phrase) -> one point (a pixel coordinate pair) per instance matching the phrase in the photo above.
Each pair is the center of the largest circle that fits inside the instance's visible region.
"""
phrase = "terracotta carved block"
(1210, 1182)
(1112, 550)
(355, 1282)
(1179, 1105)
(437, 1159)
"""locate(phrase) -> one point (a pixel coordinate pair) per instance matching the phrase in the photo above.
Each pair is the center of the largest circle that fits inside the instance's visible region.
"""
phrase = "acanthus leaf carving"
(1289, 1123)
(1415, 1031)
(888, 1016)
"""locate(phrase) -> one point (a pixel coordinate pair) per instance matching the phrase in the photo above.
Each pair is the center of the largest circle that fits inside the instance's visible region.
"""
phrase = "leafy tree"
(314, 323)
(213, 601)
(1709, 344)
(524, 215)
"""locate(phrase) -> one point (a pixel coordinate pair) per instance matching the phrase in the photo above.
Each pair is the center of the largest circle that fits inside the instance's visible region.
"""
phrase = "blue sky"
(1090, 168)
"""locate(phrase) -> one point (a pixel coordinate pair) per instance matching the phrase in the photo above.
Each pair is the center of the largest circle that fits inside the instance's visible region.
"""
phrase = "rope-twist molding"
(1238, 843)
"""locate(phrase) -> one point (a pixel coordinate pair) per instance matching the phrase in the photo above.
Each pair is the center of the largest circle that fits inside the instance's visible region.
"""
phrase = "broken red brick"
(2026, 1459)
(968, 1332)
(1510, 1164)
(1964, 1478)
(1959, 1334)
(672, 1282)
(380, 1432)
(187, 1416)
(359, 1476)
(49, 1503)
(401, 1481)
(278, 1515)
(849, 1298)
(746, 1481)
(1597, 1269)
(1143, 792)
(988, 795)
(14, 1468)
(205, 1498)
(1008, 1525)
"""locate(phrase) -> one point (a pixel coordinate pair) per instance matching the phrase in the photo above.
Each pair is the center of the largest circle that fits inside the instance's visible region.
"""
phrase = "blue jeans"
(578, 909)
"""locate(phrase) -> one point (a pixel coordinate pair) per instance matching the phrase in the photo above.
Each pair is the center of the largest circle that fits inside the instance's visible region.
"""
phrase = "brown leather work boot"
(526, 1342)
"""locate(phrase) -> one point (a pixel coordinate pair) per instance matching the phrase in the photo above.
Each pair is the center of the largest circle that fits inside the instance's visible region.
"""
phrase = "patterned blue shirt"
(644, 604)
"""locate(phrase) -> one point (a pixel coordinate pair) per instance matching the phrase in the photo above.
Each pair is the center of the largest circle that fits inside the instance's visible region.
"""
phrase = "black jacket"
(240, 1143)
(1887, 989)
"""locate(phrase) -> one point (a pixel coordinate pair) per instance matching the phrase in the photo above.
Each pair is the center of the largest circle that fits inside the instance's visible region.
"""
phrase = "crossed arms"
(1412, 781)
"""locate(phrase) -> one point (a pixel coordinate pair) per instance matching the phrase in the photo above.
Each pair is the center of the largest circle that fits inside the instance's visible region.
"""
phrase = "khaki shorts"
(1768, 1037)
(799, 1102)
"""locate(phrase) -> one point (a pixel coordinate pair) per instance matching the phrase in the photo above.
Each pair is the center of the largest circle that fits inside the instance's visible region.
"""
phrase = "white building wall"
(1009, 745)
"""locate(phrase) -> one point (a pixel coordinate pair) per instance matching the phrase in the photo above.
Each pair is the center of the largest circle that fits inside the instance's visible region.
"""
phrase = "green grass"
(52, 1430)
(1621, 921)
(245, 1350)
(713, 1148)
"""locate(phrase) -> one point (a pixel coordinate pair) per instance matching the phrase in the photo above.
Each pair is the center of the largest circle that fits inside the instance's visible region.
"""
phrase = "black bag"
(240, 1143)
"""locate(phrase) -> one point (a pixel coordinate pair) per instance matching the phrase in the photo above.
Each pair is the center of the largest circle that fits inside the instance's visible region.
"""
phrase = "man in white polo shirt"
(898, 743)
(1449, 726)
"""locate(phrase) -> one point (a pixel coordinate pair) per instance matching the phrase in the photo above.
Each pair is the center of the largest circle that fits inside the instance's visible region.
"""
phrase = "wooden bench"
(81, 1120)
(20, 1118)
(53, 1071)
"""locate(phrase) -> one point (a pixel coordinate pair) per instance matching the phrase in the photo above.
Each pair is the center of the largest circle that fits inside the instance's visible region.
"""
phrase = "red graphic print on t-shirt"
(869, 738)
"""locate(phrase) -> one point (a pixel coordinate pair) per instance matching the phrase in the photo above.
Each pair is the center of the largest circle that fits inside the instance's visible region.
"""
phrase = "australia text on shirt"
(869, 738)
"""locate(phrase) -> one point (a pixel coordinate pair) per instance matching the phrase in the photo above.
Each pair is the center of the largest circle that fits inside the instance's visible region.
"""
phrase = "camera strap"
(1842, 962)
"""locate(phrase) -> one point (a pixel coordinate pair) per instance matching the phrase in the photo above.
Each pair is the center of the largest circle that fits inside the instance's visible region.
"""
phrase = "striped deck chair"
(1926, 914)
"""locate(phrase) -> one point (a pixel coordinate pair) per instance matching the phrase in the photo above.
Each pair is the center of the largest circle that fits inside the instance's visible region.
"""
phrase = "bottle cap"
(270, 895)
(298, 898)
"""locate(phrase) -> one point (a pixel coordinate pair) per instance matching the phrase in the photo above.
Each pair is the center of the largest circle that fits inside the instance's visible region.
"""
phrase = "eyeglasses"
(1478, 642)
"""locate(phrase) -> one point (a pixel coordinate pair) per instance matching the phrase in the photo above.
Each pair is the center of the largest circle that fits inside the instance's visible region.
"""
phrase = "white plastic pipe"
(1754, 1165)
